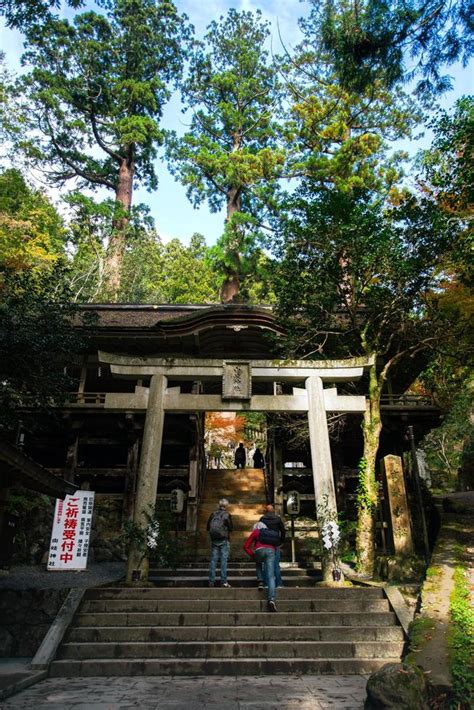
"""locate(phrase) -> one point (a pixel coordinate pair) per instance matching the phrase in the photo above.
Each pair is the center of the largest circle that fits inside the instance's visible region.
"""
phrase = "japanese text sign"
(71, 532)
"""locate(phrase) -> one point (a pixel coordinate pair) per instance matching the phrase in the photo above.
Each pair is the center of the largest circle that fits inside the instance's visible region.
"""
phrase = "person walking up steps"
(261, 546)
(274, 522)
(219, 527)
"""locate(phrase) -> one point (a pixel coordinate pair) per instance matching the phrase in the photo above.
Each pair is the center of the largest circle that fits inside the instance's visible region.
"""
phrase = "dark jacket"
(274, 522)
(240, 456)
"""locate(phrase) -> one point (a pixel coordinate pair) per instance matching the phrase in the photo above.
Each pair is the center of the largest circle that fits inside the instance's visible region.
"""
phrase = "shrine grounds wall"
(25, 617)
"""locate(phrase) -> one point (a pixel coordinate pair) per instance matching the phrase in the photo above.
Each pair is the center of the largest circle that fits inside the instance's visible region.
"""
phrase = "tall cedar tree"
(95, 96)
(229, 154)
(338, 136)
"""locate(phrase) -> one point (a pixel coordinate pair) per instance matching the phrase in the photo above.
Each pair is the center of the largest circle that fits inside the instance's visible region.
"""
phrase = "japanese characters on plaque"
(237, 380)
(71, 532)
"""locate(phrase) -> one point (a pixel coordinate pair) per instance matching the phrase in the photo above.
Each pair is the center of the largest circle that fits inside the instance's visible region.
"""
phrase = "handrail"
(408, 400)
(94, 398)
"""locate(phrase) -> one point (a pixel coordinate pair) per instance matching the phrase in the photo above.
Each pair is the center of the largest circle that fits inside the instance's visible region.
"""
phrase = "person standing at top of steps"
(263, 552)
(219, 527)
(258, 460)
(240, 457)
(274, 522)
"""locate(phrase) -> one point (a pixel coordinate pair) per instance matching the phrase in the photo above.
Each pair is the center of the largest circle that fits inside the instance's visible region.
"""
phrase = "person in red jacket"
(263, 554)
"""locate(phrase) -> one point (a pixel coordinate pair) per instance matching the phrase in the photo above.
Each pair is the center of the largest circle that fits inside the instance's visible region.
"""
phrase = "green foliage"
(395, 39)
(229, 156)
(98, 84)
(461, 639)
(28, 506)
(157, 540)
(447, 164)
(344, 255)
(32, 234)
(94, 98)
(26, 14)
(420, 630)
(451, 443)
(36, 342)
(168, 273)
(337, 132)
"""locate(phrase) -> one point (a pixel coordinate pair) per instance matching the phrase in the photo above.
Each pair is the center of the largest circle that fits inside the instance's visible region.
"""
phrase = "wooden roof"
(223, 330)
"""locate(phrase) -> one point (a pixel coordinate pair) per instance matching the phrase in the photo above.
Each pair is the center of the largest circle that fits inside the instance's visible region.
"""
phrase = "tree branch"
(104, 146)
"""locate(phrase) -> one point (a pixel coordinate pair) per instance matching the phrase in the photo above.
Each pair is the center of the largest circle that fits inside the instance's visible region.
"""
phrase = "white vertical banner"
(71, 532)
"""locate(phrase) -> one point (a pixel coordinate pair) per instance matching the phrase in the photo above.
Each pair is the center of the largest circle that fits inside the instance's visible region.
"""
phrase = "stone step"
(230, 618)
(228, 667)
(235, 606)
(233, 581)
(236, 572)
(144, 593)
(231, 649)
(123, 634)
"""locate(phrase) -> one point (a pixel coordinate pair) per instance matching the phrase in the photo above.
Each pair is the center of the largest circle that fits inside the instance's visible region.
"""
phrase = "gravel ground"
(37, 577)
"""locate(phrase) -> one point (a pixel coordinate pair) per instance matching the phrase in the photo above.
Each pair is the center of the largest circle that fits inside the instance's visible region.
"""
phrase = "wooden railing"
(88, 399)
(408, 401)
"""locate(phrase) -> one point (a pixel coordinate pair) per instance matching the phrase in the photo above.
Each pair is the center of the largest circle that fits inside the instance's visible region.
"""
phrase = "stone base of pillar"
(332, 573)
(138, 568)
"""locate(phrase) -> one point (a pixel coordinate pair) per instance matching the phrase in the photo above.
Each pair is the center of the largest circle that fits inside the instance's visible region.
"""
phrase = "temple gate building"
(132, 429)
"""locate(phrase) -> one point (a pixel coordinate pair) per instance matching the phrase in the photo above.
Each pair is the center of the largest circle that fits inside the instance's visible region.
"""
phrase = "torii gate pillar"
(324, 491)
(147, 480)
(323, 478)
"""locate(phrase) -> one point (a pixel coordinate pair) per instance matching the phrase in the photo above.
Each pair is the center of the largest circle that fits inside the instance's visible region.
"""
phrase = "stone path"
(195, 693)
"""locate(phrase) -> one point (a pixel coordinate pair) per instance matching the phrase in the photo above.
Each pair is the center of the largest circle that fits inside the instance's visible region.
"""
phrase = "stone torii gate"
(236, 395)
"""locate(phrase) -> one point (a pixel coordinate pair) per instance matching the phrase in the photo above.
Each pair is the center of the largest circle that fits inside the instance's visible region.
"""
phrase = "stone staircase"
(183, 627)
(245, 490)
(213, 631)
(239, 574)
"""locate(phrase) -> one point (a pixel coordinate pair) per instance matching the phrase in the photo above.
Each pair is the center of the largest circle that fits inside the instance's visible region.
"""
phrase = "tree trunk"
(230, 287)
(367, 495)
(117, 243)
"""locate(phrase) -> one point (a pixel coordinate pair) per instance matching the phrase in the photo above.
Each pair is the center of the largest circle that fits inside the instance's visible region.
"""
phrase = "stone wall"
(25, 617)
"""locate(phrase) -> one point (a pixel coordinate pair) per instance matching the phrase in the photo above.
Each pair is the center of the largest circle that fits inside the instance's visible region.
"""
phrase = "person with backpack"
(219, 527)
(274, 522)
(261, 546)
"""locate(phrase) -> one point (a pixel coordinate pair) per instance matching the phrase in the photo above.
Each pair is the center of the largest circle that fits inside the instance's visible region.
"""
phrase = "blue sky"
(174, 216)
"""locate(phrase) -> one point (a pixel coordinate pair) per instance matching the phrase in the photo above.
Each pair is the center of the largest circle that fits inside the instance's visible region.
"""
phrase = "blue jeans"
(219, 550)
(266, 556)
(259, 568)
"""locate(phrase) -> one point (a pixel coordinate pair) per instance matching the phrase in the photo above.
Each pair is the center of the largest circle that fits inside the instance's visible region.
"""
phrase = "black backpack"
(269, 537)
(218, 528)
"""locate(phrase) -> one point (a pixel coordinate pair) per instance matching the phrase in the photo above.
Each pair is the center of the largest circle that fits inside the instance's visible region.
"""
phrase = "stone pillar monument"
(397, 498)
